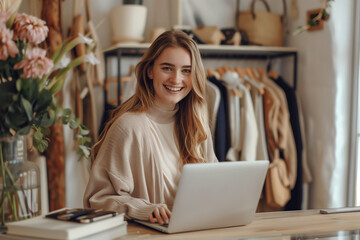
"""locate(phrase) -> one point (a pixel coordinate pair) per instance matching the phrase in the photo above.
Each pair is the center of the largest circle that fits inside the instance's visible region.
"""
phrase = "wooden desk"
(281, 225)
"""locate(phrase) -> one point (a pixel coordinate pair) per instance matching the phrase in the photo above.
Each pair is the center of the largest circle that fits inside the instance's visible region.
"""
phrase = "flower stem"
(3, 192)
(12, 206)
(2, 167)
(3, 195)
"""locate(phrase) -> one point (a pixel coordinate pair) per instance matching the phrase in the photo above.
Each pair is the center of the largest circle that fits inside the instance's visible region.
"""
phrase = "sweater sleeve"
(116, 176)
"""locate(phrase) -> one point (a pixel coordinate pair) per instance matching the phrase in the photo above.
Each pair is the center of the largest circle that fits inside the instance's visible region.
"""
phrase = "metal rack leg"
(295, 70)
(119, 77)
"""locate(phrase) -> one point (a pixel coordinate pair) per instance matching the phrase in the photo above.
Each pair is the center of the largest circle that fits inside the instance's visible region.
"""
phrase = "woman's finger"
(157, 215)
(163, 214)
(151, 218)
(168, 212)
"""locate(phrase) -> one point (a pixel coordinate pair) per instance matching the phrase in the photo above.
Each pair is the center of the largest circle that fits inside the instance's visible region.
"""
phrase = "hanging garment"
(234, 96)
(261, 150)
(286, 141)
(222, 141)
(213, 101)
(257, 92)
(250, 133)
(295, 202)
(271, 202)
(248, 128)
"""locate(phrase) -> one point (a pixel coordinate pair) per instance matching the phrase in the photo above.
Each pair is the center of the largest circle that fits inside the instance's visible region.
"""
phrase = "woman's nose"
(176, 77)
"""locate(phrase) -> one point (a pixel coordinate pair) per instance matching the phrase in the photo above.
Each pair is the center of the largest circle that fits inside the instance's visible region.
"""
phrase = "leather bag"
(262, 27)
(277, 184)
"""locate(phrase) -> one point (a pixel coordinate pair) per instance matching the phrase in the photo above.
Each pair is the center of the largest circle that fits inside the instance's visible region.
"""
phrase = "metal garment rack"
(207, 52)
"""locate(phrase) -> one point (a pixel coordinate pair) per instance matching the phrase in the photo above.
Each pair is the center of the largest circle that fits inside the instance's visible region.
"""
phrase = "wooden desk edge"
(282, 223)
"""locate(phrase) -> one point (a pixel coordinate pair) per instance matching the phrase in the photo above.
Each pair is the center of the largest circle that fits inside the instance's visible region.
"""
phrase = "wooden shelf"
(219, 51)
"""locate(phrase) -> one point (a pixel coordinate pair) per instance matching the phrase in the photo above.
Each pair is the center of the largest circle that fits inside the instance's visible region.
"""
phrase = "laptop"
(215, 195)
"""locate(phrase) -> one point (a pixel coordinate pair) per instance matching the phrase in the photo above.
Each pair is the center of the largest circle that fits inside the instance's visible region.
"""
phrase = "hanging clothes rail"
(207, 52)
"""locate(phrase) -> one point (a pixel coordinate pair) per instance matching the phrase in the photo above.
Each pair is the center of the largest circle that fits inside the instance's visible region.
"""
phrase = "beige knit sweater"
(127, 174)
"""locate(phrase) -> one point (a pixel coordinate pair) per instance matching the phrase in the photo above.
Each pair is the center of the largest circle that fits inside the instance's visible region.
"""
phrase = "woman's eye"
(187, 70)
(166, 68)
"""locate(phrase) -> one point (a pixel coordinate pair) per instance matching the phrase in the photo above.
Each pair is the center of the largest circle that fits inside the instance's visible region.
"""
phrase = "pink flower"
(7, 45)
(30, 28)
(36, 63)
(4, 17)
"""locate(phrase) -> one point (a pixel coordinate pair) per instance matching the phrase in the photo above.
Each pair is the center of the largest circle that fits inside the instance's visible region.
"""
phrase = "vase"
(128, 23)
(19, 181)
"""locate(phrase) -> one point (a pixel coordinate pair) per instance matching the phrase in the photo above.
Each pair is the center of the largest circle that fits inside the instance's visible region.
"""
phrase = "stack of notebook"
(68, 225)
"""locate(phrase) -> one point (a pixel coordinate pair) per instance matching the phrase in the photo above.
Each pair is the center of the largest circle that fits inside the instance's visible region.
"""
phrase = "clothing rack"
(207, 52)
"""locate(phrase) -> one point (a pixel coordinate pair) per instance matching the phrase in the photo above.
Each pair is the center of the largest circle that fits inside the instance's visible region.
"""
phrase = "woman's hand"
(161, 214)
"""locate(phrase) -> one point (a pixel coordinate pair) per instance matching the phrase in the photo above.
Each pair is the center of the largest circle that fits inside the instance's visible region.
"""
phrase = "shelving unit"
(207, 51)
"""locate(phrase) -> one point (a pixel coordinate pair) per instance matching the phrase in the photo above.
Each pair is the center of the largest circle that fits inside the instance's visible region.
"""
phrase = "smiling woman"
(171, 75)
(138, 160)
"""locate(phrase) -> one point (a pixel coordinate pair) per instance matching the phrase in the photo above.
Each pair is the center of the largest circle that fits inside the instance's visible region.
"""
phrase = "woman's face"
(171, 74)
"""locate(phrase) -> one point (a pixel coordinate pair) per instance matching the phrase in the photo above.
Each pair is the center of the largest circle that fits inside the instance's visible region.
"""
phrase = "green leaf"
(67, 115)
(65, 119)
(41, 145)
(38, 135)
(11, 19)
(43, 101)
(67, 111)
(84, 150)
(27, 107)
(73, 124)
(57, 51)
(17, 119)
(58, 85)
(84, 140)
(15, 98)
(7, 91)
(18, 85)
(48, 119)
(30, 89)
(70, 45)
(45, 131)
(24, 130)
(84, 131)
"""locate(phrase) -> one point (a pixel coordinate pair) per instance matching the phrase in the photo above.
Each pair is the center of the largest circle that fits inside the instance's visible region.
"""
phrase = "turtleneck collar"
(160, 115)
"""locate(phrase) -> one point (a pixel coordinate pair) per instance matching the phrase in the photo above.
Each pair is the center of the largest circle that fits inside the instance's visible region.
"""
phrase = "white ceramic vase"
(128, 23)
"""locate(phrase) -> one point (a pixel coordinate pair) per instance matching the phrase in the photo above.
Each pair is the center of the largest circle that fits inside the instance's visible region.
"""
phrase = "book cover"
(42, 227)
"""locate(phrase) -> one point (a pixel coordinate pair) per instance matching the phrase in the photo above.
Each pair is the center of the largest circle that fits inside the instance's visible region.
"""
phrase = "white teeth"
(173, 89)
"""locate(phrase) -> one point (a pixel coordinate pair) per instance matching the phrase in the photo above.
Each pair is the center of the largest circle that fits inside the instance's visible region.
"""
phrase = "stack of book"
(63, 226)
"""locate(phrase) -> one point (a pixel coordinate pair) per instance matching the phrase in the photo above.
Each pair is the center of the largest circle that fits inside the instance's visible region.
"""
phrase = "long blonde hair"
(191, 117)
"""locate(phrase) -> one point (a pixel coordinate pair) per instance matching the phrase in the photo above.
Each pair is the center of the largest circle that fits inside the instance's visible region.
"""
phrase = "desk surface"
(285, 224)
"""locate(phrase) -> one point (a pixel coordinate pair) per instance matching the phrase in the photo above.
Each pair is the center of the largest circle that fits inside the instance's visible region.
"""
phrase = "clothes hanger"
(253, 81)
(220, 71)
(210, 72)
(256, 73)
(242, 75)
(249, 73)
(236, 92)
(239, 72)
(261, 75)
(272, 74)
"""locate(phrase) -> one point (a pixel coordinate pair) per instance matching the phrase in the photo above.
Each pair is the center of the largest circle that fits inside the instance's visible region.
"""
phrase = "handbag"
(277, 184)
(262, 27)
